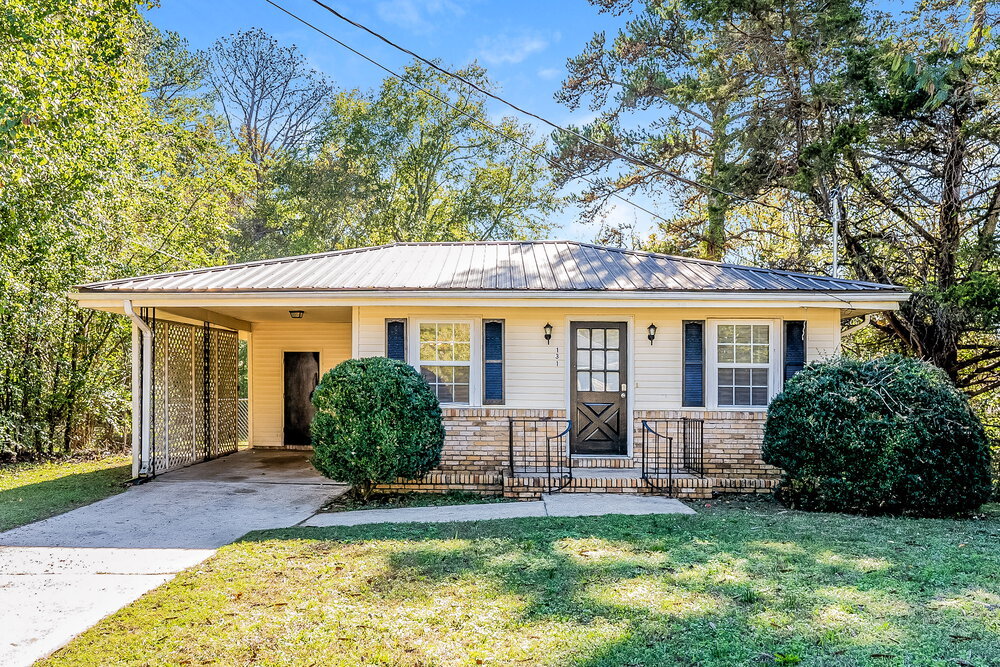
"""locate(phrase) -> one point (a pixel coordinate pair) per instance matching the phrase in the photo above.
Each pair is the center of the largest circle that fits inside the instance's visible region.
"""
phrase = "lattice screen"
(195, 404)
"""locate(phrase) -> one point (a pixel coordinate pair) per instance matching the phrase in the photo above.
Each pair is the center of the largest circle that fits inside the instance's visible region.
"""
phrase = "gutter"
(141, 416)
(857, 327)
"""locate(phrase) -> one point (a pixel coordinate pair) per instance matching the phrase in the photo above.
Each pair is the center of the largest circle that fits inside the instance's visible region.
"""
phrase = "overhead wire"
(479, 121)
(625, 156)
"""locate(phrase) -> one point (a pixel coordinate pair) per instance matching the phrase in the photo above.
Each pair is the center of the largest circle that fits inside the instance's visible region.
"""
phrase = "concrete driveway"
(61, 575)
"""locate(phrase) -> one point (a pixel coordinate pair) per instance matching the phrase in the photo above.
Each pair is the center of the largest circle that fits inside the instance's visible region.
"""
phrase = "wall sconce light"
(652, 333)
(548, 333)
(296, 314)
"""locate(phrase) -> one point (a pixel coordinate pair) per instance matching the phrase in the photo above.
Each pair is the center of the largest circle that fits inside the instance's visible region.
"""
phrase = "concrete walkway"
(556, 504)
(62, 575)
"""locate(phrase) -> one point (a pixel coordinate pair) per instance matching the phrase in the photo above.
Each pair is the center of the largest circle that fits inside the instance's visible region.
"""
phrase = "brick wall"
(476, 452)
(731, 440)
(478, 440)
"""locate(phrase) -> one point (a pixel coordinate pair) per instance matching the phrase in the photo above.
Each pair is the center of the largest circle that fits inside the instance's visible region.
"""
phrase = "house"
(559, 365)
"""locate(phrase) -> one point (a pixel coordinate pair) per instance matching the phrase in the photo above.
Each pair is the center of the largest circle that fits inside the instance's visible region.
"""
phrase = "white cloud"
(417, 15)
(510, 49)
(549, 73)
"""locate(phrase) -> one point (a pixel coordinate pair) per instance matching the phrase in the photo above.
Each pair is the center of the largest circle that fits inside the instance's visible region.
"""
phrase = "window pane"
(759, 376)
(726, 355)
(583, 338)
(583, 381)
(725, 376)
(760, 333)
(428, 375)
(743, 354)
(612, 360)
(742, 333)
(428, 332)
(725, 396)
(461, 393)
(460, 374)
(597, 382)
(445, 352)
(741, 376)
(463, 352)
(760, 354)
(463, 333)
(725, 333)
(597, 360)
(444, 393)
(583, 359)
(614, 382)
(445, 331)
(427, 352)
(597, 339)
(759, 395)
(741, 395)
(612, 338)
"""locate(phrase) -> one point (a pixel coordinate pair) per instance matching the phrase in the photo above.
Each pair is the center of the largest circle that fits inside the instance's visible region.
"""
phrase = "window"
(445, 359)
(743, 365)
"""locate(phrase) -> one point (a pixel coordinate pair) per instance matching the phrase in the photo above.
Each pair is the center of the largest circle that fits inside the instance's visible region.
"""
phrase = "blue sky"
(523, 45)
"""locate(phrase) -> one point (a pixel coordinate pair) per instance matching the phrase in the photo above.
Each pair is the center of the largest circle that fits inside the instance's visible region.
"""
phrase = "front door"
(301, 378)
(598, 395)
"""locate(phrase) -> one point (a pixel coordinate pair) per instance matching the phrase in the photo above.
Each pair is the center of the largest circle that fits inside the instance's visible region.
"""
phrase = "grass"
(738, 584)
(383, 501)
(33, 491)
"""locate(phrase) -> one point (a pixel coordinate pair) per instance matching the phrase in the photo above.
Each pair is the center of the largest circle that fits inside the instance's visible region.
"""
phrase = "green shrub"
(887, 436)
(376, 420)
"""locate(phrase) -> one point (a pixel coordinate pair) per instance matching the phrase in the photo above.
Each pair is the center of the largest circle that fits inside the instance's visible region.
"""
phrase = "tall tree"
(680, 87)
(95, 184)
(271, 100)
(400, 165)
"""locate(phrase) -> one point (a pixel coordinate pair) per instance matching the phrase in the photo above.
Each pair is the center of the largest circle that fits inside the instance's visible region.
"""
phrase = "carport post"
(142, 383)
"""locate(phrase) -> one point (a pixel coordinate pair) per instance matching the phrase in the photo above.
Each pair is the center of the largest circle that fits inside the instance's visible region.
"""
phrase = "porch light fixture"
(652, 333)
(548, 333)
(296, 314)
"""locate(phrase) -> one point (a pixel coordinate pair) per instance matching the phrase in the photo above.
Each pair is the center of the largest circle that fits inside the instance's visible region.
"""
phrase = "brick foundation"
(476, 452)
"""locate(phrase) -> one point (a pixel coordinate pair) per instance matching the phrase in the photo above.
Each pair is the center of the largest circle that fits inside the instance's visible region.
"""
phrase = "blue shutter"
(395, 339)
(493, 362)
(795, 347)
(694, 364)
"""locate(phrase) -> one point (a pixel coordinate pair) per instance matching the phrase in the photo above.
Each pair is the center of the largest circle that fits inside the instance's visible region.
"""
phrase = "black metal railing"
(671, 449)
(539, 448)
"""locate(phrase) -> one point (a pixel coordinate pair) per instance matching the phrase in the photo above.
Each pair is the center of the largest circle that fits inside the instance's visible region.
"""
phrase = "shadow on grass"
(726, 589)
(34, 501)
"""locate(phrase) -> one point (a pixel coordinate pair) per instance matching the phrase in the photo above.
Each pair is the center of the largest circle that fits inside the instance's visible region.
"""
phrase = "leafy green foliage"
(397, 164)
(376, 420)
(890, 435)
(103, 174)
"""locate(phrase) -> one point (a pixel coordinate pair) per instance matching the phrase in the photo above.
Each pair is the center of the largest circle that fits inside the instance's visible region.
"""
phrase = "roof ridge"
(508, 242)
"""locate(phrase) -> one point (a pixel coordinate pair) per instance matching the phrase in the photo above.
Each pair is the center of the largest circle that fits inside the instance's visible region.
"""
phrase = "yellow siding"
(268, 343)
(537, 374)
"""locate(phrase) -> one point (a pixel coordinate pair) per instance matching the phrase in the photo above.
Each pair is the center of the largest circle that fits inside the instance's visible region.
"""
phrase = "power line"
(625, 156)
(468, 115)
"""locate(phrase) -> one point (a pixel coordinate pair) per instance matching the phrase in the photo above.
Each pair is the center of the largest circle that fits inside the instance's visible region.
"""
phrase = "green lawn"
(738, 584)
(33, 491)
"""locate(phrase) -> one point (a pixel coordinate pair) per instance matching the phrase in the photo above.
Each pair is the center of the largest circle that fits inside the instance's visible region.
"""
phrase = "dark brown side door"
(301, 378)
(598, 394)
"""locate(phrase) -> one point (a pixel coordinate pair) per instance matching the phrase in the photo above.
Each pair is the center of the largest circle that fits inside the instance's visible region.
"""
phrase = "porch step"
(529, 484)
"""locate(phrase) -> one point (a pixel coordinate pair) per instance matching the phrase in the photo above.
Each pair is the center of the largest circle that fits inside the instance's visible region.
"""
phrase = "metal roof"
(487, 265)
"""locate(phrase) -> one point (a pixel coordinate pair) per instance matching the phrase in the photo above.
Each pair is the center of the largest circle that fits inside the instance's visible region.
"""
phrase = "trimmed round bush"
(886, 436)
(376, 420)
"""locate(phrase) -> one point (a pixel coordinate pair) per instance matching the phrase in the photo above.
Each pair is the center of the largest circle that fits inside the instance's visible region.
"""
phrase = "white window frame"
(475, 354)
(712, 364)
